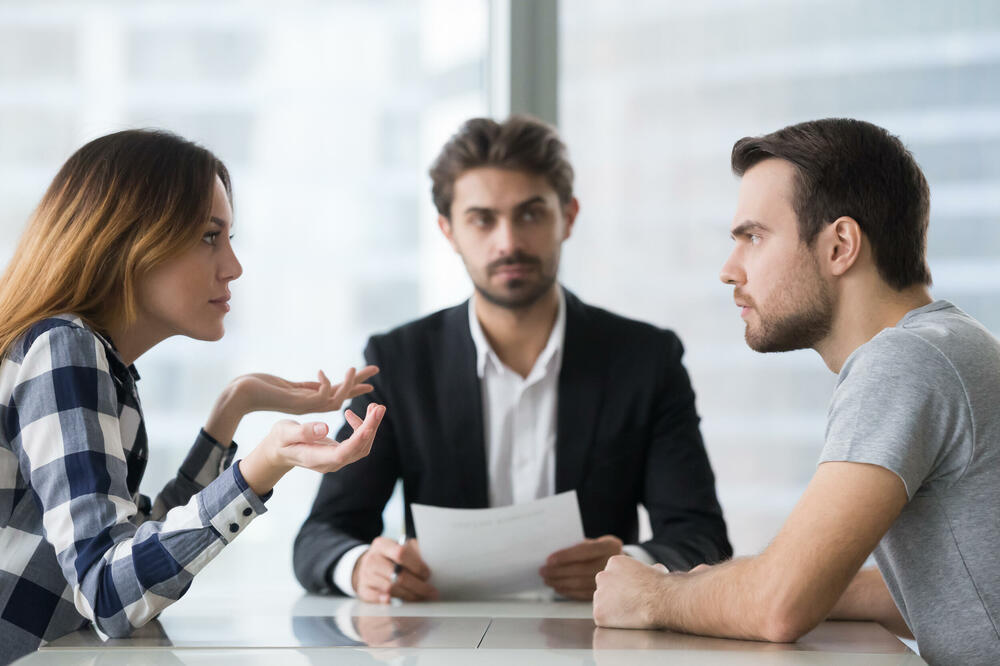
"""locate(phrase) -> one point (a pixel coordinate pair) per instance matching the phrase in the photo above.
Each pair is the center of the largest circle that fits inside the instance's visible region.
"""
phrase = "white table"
(311, 629)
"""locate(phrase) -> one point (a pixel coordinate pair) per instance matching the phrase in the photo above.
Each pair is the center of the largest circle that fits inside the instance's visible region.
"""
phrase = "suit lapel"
(581, 385)
(462, 408)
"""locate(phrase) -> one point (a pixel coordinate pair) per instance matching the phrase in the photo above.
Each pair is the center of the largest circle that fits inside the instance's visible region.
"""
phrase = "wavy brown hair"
(119, 206)
(520, 143)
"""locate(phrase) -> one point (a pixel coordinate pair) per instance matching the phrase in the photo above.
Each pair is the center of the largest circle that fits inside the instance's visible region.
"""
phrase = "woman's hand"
(290, 444)
(259, 392)
(267, 393)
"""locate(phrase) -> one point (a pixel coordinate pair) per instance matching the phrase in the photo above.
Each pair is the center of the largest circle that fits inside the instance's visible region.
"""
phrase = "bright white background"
(328, 114)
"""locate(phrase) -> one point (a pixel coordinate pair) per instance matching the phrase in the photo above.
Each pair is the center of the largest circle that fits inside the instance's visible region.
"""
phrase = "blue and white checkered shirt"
(78, 543)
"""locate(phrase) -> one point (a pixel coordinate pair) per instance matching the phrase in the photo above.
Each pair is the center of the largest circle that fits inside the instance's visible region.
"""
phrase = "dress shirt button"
(234, 528)
(247, 511)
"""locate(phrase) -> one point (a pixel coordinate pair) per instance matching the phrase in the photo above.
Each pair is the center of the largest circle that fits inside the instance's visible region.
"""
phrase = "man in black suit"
(519, 393)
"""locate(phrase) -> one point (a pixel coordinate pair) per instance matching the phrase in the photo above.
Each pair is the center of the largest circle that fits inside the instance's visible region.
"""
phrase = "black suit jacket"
(627, 432)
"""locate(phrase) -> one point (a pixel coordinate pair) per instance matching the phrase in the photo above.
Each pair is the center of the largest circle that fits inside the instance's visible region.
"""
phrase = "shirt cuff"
(207, 459)
(245, 487)
(343, 570)
(639, 553)
(229, 505)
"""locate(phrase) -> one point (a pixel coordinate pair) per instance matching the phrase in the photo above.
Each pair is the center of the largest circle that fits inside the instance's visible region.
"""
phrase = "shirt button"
(234, 528)
(247, 511)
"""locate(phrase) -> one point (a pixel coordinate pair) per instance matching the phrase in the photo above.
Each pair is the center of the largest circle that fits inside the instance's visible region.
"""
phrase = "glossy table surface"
(314, 629)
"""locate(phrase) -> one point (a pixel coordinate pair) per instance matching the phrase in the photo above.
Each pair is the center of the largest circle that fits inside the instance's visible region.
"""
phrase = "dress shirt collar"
(550, 354)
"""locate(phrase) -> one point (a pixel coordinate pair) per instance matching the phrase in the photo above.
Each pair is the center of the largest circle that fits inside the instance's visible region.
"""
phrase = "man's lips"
(508, 270)
(744, 308)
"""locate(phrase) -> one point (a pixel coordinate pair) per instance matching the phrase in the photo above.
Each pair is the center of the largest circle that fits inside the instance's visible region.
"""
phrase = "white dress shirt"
(519, 416)
(519, 427)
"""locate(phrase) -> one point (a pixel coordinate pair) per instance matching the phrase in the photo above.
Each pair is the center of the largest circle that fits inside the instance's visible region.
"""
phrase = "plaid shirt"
(78, 543)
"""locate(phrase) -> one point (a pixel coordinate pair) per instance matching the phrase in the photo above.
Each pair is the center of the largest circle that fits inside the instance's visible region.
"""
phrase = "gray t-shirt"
(922, 399)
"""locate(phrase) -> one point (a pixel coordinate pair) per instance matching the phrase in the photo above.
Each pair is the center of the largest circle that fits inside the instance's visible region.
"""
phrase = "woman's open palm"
(270, 393)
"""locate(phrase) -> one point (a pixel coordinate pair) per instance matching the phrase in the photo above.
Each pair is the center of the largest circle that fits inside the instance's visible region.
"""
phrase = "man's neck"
(518, 336)
(864, 314)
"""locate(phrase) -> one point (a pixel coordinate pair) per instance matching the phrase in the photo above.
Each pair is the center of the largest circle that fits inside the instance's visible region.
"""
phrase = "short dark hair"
(854, 168)
(520, 143)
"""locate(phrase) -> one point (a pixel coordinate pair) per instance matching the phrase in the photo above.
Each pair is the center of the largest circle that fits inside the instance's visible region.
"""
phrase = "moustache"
(740, 297)
(513, 260)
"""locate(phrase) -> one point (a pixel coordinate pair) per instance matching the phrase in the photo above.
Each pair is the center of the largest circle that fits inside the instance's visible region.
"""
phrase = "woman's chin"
(208, 333)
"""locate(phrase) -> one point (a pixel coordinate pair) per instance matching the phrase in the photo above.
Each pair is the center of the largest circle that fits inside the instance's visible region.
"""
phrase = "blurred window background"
(651, 101)
(328, 113)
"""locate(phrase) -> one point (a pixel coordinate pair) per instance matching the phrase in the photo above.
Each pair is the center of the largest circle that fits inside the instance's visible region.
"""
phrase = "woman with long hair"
(129, 246)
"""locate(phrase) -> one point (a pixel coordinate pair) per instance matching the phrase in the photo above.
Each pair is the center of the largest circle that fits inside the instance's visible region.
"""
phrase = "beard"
(800, 316)
(519, 293)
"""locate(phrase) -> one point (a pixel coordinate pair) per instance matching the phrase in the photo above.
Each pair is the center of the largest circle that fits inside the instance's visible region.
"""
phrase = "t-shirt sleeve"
(900, 404)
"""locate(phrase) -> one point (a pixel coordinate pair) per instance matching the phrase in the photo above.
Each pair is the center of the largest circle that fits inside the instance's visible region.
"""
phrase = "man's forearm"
(751, 598)
(782, 593)
(868, 598)
(720, 601)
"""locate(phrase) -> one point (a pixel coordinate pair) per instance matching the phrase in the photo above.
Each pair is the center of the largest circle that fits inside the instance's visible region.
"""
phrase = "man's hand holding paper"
(482, 553)
(571, 571)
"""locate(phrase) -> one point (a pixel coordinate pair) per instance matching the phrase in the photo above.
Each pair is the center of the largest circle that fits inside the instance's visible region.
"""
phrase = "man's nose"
(732, 272)
(506, 238)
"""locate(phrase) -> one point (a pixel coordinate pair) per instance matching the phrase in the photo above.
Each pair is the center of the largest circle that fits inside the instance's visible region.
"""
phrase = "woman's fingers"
(352, 419)
(292, 432)
(361, 389)
(325, 455)
(359, 444)
(365, 431)
(323, 387)
(366, 373)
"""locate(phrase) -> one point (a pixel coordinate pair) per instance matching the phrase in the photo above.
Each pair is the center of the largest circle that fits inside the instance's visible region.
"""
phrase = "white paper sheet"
(482, 553)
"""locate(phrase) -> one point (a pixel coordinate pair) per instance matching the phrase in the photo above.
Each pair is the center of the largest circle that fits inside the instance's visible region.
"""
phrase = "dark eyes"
(211, 237)
(529, 215)
(753, 239)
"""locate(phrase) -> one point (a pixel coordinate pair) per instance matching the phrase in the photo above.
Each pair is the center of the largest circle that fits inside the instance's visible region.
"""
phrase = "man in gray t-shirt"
(830, 239)
(920, 399)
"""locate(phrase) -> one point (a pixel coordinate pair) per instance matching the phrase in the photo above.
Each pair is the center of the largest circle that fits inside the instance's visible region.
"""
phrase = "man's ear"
(444, 224)
(840, 245)
(570, 211)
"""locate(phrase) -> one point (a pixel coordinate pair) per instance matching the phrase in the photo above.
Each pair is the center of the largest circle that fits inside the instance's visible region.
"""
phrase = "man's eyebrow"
(530, 202)
(523, 204)
(747, 228)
